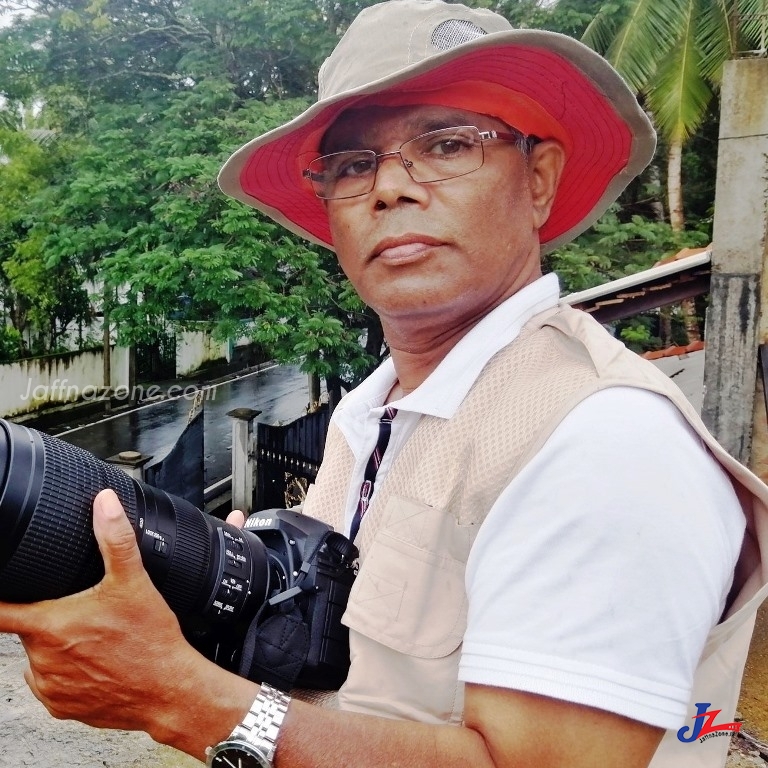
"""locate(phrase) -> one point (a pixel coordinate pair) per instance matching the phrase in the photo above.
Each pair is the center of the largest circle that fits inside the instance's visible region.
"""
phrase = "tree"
(141, 213)
(116, 50)
(146, 99)
(156, 94)
(39, 296)
(672, 53)
(612, 248)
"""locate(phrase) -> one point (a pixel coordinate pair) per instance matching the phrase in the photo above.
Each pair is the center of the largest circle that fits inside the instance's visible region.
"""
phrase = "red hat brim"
(607, 137)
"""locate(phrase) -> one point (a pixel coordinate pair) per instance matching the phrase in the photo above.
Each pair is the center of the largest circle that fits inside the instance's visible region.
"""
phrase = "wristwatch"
(253, 742)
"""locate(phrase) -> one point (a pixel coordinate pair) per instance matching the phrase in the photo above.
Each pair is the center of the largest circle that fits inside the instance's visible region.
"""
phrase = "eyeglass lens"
(433, 156)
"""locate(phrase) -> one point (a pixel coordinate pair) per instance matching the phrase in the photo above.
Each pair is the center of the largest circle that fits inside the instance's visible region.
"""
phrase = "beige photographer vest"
(407, 611)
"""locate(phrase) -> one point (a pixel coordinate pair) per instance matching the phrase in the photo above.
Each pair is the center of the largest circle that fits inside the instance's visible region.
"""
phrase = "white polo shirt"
(601, 568)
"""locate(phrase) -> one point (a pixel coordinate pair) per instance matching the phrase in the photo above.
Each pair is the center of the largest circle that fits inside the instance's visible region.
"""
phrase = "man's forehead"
(364, 127)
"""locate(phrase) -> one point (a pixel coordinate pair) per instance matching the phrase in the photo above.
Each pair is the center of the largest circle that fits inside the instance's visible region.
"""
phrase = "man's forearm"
(114, 656)
(314, 737)
(209, 704)
(503, 729)
(311, 735)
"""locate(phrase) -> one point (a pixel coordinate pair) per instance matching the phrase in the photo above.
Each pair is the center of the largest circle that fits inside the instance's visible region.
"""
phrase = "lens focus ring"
(58, 554)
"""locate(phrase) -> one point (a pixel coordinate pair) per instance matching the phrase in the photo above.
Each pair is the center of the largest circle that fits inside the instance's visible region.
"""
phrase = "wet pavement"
(279, 392)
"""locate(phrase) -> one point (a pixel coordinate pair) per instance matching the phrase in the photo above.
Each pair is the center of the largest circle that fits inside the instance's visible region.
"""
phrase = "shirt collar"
(446, 387)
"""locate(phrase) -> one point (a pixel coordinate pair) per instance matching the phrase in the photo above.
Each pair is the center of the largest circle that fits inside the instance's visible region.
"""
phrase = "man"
(549, 538)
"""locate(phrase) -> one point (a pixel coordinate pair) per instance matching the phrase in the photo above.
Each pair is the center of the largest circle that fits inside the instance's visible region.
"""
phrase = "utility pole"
(738, 314)
(734, 396)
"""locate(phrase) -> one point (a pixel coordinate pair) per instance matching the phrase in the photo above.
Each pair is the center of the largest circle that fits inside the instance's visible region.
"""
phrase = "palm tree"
(672, 52)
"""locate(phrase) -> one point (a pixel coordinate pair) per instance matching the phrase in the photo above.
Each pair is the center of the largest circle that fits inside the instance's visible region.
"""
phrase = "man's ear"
(545, 166)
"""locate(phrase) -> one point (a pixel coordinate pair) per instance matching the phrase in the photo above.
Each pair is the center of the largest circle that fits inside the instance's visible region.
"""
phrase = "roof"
(682, 276)
(668, 282)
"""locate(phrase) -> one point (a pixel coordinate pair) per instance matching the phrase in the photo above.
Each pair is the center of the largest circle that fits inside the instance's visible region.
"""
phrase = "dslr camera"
(264, 601)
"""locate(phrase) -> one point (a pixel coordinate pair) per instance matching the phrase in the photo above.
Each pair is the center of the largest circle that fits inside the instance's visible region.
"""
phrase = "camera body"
(320, 567)
(295, 638)
(265, 601)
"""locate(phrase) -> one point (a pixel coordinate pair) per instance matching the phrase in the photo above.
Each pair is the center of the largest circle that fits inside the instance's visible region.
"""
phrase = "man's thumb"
(115, 536)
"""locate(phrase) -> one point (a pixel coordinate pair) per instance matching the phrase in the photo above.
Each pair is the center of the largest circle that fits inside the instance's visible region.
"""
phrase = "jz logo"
(705, 727)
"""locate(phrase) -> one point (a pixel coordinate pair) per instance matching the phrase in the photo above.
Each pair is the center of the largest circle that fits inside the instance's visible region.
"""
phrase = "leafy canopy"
(115, 116)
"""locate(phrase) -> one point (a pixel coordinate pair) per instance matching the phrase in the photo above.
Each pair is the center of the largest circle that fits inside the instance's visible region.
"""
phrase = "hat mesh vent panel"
(453, 32)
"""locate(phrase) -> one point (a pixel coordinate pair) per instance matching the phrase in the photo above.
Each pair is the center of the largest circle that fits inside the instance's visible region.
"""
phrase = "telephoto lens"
(202, 566)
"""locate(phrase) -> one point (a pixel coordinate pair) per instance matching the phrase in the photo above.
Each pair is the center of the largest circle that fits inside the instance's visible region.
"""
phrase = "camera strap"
(275, 648)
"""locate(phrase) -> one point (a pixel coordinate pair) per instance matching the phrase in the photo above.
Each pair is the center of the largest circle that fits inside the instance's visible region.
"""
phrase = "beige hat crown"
(380, 42)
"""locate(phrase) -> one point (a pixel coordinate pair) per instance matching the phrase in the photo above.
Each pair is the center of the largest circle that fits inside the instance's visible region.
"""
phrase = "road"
(279, 392)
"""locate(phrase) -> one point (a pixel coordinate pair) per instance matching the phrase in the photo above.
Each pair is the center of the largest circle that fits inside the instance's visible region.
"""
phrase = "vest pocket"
(409, 594)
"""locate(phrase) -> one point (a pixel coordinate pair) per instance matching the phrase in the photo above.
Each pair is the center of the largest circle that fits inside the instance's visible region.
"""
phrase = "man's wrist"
(202, 707)
(253, 742)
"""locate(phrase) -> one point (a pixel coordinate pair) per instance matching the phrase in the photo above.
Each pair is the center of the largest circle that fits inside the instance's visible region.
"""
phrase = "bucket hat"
(428, 51)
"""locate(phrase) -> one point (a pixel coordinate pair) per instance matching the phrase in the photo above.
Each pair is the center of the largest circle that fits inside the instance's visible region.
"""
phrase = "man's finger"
(236, 517)
(18, 619)
(115, 536)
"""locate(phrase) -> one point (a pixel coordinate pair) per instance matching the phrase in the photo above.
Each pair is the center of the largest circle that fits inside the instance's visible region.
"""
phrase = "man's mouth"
(404, 248)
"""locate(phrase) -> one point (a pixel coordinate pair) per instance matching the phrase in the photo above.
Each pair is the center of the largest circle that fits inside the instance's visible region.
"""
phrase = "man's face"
(447, 252)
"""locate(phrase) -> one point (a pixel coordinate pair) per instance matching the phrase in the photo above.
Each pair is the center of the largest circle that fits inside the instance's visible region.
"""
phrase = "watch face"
(237, 757)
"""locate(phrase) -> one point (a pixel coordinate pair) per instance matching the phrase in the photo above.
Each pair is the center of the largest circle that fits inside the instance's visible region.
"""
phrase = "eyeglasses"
(434, 156)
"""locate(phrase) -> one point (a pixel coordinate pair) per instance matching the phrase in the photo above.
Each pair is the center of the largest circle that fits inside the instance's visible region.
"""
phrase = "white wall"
(26, 385)
(193, 348)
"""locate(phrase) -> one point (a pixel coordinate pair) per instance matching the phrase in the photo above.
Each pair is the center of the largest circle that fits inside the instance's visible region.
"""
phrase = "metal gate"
(156, 359)
(288, 457)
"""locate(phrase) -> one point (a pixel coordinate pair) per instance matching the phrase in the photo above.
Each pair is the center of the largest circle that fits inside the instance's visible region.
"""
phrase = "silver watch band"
(262, 723)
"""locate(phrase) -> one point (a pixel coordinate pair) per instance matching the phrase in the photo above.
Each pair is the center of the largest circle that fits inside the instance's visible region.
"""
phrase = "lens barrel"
(201, 565)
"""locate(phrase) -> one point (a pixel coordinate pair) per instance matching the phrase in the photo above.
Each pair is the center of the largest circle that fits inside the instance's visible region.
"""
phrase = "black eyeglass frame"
(524, 145)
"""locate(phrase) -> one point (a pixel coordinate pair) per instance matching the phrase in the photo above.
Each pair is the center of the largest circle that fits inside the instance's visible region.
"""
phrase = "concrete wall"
(28, 385)
(193, 348)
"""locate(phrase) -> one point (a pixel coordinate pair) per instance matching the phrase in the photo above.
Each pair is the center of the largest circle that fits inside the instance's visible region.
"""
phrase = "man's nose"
(393, 178)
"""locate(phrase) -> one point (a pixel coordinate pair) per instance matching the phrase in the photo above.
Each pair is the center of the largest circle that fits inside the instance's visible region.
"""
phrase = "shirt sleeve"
(600, 570)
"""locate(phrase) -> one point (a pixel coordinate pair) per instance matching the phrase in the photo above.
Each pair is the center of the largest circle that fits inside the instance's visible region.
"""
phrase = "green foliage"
(154, 95)
(38, 294)
(139, 211)
(114, 120)
(571, 17)
(700, 169)
(10, 344)
(612, 248)
(673, 52)
(636, 334)
(117, 50)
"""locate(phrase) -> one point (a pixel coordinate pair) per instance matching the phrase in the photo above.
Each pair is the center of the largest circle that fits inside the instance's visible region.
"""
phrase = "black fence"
(287, 460)
(288, 457)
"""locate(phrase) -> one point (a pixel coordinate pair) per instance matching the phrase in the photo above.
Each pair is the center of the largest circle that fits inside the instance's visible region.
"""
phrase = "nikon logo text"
(264, 522)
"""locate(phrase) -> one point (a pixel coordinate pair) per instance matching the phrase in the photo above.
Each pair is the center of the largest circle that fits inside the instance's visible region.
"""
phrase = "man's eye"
(448, 146)
(360, 166)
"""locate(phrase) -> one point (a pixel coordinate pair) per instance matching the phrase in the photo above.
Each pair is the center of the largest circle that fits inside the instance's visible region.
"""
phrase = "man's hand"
(94, 656)
(114, 656)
